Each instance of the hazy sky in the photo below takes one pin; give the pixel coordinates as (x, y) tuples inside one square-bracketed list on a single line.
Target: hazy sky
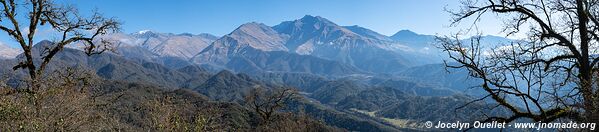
[(220, 17)]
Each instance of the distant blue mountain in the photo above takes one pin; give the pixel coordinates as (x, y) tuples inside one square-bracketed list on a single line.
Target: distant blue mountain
[(490, 41), (413, 39), (367, 32)]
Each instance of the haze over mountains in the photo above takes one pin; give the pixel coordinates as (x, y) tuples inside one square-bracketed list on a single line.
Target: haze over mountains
[(342, 71), (7, 52)]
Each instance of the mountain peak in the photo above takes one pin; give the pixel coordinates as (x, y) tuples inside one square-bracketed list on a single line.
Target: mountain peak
[(354, 26), (224, 73), (309, 25), (412, 39), (259, 36), (308, 19), (251, 26), (144, 31), (405, 33), (223, 77), (43, 44), (209, 36), (226, 86), (146, 34), (248, 36), (367, 32), (186, 34)]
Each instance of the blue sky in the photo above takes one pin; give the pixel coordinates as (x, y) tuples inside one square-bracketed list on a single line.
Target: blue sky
[(220, 17)]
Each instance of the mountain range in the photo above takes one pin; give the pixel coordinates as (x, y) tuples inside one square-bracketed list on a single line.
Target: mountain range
[(165, 44), (315, 44), (350, 76)]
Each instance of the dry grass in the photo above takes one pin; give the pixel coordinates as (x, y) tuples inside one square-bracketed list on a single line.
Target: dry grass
[(63, 105), (169, 115)]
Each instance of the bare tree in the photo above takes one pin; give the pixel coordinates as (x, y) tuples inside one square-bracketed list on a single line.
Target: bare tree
[(68, 106), (66, 20), (548, 76), (267, 103)]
